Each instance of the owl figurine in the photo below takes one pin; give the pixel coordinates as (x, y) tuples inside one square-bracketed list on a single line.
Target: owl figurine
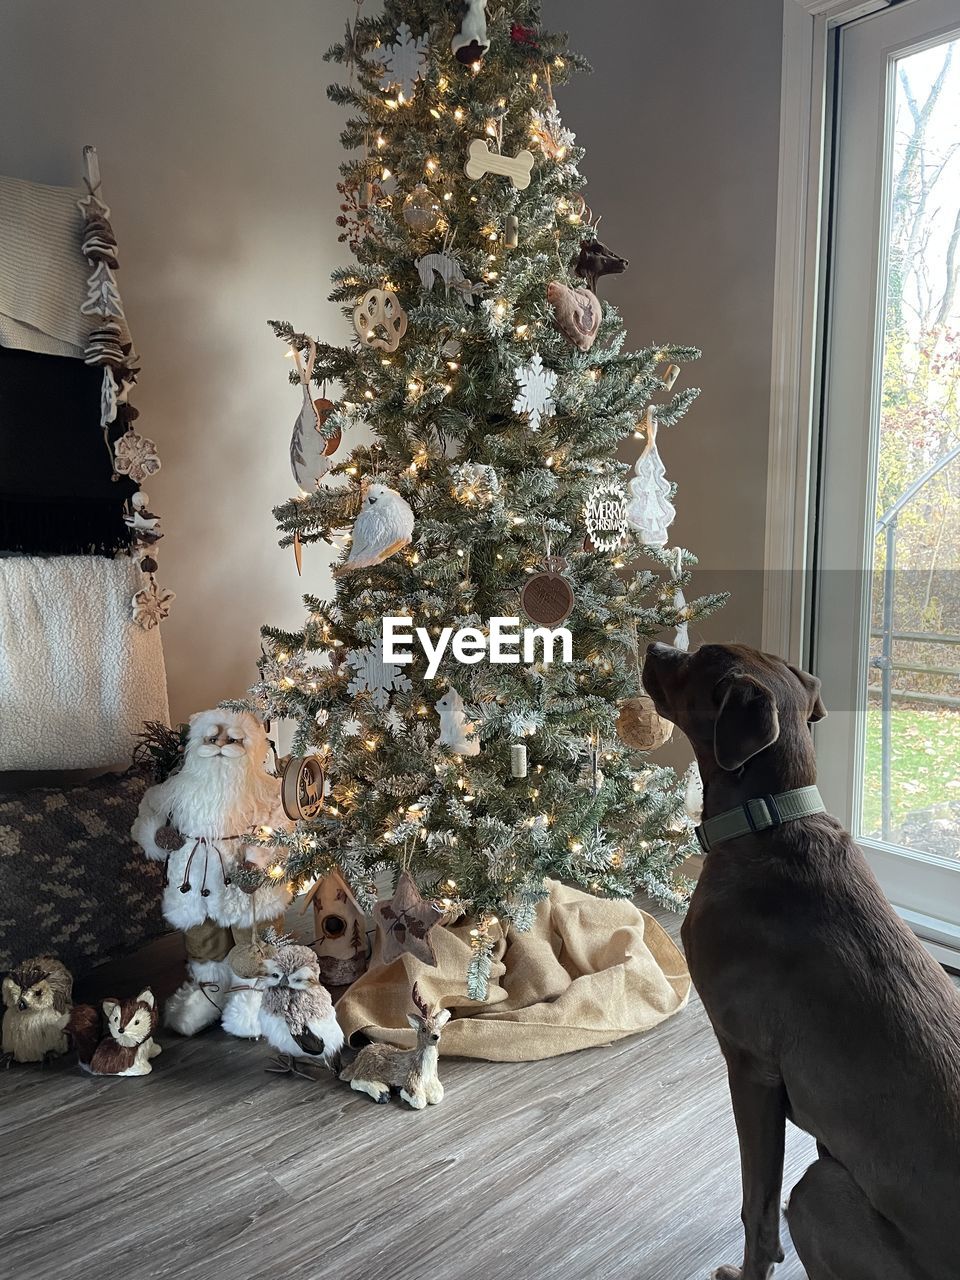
[(296, 1013), (456, 731), (383, 527), (37, 999)]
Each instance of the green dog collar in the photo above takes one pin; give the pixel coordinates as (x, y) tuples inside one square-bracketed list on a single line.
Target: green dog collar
[(759, 814)]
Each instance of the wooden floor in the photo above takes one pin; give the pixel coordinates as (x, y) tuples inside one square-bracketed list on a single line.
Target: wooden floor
[(612, 1164)]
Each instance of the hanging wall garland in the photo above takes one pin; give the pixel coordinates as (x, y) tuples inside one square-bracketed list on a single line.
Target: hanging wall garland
[(133, 456)]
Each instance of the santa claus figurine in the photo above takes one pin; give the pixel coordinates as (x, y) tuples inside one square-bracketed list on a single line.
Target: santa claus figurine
[(200, 821)]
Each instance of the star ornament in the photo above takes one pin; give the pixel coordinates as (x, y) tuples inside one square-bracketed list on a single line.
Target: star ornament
[(405, 922)]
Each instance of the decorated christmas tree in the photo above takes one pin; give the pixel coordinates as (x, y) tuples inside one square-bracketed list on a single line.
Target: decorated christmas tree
[(494, 388)]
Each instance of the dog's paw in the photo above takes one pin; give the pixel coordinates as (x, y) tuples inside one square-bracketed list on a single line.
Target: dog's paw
[(727, 1273)]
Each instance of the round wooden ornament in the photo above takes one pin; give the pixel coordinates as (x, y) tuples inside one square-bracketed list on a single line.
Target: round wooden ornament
[(640, 726), (547, 598), (302, 790)]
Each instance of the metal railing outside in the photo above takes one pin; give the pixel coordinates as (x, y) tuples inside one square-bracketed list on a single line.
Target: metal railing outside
[(885, 661)]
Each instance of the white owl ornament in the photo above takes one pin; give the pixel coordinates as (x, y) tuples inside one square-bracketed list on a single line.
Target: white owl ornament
[(383, 527)]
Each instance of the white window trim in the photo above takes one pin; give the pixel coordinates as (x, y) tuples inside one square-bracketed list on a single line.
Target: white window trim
[(804, 102)]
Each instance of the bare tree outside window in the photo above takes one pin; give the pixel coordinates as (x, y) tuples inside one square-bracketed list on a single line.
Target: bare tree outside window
[(911, 794)]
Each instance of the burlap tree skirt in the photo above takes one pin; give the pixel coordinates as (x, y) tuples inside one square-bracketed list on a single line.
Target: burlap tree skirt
[(589, 971)]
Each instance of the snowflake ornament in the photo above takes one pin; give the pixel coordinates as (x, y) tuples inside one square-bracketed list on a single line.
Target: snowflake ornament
[(152, 605), (374, 676), (352, 728), (404, 61), (535, 397), (135, 456)]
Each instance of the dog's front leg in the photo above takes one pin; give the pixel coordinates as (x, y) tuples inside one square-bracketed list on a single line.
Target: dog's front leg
[(759, 1108)]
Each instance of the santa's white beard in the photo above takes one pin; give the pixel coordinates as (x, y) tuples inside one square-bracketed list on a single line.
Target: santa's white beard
[(220, 795)]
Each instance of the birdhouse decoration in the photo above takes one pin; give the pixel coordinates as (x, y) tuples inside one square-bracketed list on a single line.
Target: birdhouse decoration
[(340, 930)]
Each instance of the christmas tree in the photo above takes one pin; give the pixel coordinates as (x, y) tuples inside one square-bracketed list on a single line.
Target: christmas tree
[(496, 389)]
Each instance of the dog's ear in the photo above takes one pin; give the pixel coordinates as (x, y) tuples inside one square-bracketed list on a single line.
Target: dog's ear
[(747, 722), (817, 710)]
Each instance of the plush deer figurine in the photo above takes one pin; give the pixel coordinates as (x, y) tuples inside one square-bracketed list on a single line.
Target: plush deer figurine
[(378, 1068)]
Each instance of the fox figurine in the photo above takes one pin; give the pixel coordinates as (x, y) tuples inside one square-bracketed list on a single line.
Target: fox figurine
[(117, 1039)]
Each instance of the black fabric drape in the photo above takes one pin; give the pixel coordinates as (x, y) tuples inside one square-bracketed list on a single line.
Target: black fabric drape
[(57, 492)]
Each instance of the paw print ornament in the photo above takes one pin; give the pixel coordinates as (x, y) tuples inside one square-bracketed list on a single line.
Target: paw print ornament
[(379, 320)]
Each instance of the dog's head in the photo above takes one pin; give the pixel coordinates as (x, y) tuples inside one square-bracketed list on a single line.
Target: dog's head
[(734, 703)]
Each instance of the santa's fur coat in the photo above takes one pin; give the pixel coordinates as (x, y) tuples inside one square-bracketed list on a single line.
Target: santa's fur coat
[(221, 790)]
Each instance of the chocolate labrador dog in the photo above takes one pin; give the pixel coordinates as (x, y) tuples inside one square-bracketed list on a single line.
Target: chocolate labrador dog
[(828, 1011)]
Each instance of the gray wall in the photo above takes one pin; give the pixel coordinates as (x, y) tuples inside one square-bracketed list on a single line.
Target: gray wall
[(219, 153)]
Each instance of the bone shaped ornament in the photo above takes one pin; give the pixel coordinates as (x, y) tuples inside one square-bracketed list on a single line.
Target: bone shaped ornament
[(379, 320), (578, 313), (481, 160)]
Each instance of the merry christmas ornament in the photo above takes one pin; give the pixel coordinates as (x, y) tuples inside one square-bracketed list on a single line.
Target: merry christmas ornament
[(471, 43), (456, 731), (383, 527), (405, 923), (640, 726), (379, 319), (421, 209), (606, 516), (578, 313), (548, 599)]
